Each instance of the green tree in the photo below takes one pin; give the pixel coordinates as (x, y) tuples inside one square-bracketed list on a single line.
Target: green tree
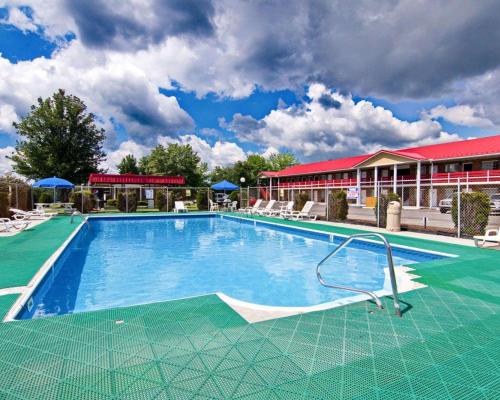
[(279, 161), (58, 138), (128, 165), (175, 159)]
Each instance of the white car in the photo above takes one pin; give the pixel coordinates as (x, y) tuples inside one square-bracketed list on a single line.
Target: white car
[(495, 203)]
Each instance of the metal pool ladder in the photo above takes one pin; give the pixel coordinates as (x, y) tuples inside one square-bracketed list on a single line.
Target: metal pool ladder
[(390, 265)]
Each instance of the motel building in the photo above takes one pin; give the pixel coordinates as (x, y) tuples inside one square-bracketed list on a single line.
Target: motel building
[(421, 176)]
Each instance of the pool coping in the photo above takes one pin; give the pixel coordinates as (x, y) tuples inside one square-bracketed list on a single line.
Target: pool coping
[(404, 280)]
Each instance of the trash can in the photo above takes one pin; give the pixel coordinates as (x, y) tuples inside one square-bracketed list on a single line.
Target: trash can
[(394, 216)]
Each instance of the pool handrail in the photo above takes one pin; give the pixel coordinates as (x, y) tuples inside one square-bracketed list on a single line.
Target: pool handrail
[(390, 265)]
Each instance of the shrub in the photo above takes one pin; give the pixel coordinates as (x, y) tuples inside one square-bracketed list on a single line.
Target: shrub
[(338, 208), (301, 199), (384, 200), (474, 212), (16, 194), (132, 201), (161, 200), (112, 203), (202, 199), (45, 197), (4, 205), (88, 200)]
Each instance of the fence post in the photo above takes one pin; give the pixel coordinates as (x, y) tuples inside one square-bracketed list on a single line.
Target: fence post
[(168, 198), (377, 195), (17, 198), (459, 209), (326, 201), (126, 200), (81, 193)]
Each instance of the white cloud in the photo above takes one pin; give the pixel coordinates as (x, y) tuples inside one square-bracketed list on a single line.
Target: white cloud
[(110, 86), (220, 154), (7, 116), (462, 115), (113, 158), (331, 124), (5, 163), (269, 152), (19, 19)]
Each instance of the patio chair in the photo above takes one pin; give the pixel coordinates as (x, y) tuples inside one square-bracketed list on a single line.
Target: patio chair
[(490, 236), (269, 206), (248, 210), (233, 205), (8, 225), (21, 215), (180, 207), (213, 206), (304, 213)]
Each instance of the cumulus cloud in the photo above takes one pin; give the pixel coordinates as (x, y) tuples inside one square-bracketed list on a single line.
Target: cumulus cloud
[(386, 48), (113, 158), (19, 19), (109, 86), (348, 127), (136, 25), (461, 115), (5, 163), (220, 154)]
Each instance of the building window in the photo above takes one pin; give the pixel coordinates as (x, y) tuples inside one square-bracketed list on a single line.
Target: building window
[(467, 167), (455, 167), (364, 174), (491, 164)]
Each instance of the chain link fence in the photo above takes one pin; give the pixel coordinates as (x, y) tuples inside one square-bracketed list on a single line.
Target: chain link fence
[(457, 209)]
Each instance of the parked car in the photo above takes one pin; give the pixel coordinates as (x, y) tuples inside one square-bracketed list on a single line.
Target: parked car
[(495, 203), (445, 204)]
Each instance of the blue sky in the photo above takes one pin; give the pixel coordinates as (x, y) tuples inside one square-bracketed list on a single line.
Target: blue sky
[(231, 79)]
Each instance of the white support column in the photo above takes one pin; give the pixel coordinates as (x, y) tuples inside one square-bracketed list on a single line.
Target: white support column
[(375, 180), (270, 188), (419, 175), (395, 179), (358, 185)]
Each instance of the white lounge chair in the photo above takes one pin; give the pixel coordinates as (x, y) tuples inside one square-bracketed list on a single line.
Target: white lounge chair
[(213, 206), (279, 210), (269, 206), (490, 236), (255, 207), (8, 225), (180, 207), (21, 215), (282, 210), (304, 213)]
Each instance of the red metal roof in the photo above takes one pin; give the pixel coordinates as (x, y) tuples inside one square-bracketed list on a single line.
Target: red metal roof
[(442, 151), (132, 179)]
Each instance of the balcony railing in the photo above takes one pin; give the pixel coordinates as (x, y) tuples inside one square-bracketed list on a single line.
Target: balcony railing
[(469, 177)]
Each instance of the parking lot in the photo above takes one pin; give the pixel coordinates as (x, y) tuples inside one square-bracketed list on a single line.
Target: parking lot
[(415, 218)]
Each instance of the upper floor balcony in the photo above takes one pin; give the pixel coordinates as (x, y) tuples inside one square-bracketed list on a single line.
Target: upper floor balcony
[(466, 177)]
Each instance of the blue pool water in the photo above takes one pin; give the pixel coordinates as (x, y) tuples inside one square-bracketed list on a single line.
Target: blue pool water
[(124, 261)]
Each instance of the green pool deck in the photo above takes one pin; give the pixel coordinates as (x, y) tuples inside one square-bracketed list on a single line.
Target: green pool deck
[(446, 346)]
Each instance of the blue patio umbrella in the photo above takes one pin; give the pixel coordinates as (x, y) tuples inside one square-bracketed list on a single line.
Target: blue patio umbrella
[(224, 185), (55, 183)]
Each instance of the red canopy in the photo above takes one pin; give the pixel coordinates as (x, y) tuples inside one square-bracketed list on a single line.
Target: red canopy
[(132, 179)]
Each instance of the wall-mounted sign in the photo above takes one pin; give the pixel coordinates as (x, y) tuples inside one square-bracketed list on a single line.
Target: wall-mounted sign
[(352, 193), (149, 193)]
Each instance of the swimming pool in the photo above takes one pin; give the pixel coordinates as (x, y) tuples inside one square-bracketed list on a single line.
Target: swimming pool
[(122, 261)]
